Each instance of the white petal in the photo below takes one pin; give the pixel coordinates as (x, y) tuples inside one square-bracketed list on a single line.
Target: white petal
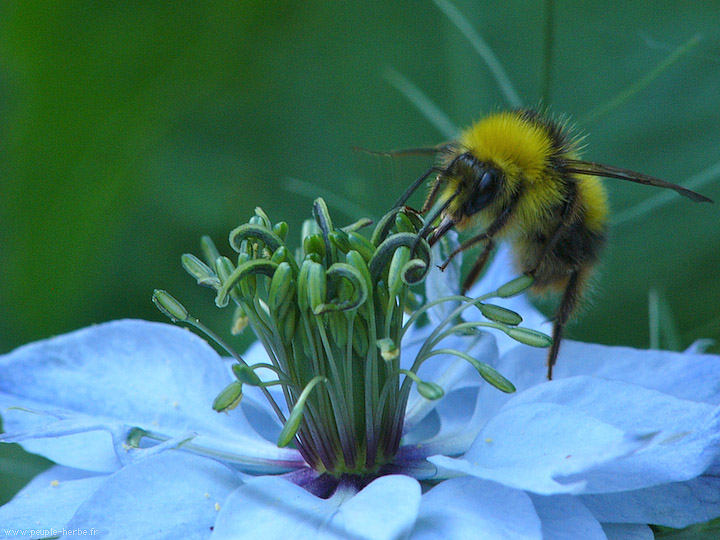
[(565, 518), (687, 433), (532, 446), (450, 372), (125, 373), (676, 505), (167, 496), (272, 508), (455, 425), (694, 377), (472, 508), (49, 500)]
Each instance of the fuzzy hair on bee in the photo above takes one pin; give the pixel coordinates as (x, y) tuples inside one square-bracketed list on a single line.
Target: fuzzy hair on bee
[(518, 176)]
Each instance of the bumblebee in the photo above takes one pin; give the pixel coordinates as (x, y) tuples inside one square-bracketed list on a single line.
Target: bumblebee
[(518, 175)]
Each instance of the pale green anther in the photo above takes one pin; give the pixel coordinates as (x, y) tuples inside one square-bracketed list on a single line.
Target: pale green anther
[(291, 426), (347, 277), (282, 287), (293, 422), (288, 324), (395, 273), (322, 216), (515, 287), (288, 304), (362, 245), (257, 220), (302, 284), (388, 350), (340, 240), (529, 336), (403, 223), (494, 378), (316, 286), (254, 232), (358, 262), (246, 374), (385, 251), (281, 229), (500, 314), (360, 337), (229, 398), (382, 229), (359, 224), (225, 268), (313, 257), (430, 390), (314, 244), (415, 220), (240, 321), (200, 271), (326, 308), (412, 268), (242, 273), (134, 437), (486, 372), (209, 251), (248, 284), (263, 216), (279, 255), (169, 306)]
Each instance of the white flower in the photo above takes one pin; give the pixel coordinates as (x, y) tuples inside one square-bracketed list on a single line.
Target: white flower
[(620, 439)]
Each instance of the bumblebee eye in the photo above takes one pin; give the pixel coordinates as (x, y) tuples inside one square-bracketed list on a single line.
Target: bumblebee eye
[(483, 192), (487, 180)]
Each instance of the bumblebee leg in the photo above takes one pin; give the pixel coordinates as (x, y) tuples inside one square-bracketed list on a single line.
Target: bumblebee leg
[(568, 303), (478, 266), (568, 210), (432, 195), (487, 236)]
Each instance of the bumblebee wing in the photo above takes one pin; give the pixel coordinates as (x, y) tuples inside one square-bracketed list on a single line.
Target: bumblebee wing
[(607, 171), (422, 151)]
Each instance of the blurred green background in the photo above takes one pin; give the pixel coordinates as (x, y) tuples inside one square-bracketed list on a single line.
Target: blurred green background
[(131, 129)]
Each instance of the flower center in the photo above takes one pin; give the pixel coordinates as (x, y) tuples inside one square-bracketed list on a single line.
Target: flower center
[(331, 321)]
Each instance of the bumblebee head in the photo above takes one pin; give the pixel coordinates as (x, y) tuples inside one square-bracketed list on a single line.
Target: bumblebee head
[(470, 186)]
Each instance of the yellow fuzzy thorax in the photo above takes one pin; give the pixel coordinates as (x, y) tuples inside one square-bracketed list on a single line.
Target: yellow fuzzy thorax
[(522, 148), (511, 142)]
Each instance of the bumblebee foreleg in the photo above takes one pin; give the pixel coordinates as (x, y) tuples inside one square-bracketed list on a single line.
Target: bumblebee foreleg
[(488, 237), (478, 266)]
